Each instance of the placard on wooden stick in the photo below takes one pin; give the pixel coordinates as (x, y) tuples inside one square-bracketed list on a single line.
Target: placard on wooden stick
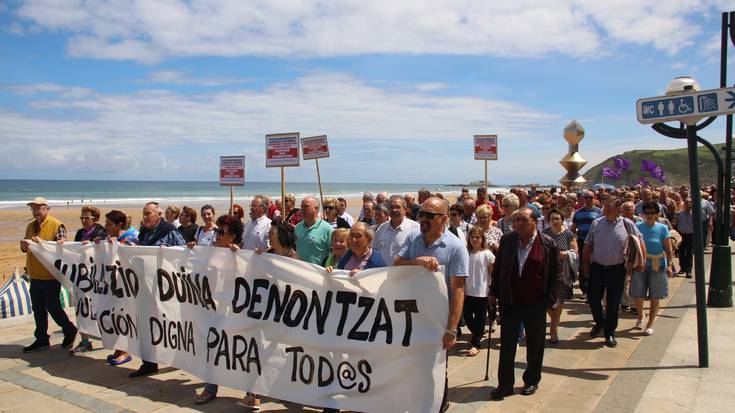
[(316, 147), (486, 149), (282, 150), (232, 174)]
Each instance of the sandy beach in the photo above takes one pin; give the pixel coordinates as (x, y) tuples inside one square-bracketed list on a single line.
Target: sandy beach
[(14, 221)]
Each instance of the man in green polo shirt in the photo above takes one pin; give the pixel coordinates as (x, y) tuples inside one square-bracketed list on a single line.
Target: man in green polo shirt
[(313, 235)]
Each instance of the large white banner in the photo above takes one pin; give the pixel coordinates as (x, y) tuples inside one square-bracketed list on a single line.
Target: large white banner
[(266, 324)]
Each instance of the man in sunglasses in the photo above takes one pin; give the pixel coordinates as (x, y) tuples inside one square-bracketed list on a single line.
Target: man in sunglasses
[(581, 222), (434, 246)]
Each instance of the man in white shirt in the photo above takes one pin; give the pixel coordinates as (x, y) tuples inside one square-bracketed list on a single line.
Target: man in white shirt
[(342, 211), (255, 232), (390, 236)]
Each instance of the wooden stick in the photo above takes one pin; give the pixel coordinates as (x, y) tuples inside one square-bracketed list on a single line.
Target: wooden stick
[(283, 193), (319, 179), (487, 196), (232, 199)]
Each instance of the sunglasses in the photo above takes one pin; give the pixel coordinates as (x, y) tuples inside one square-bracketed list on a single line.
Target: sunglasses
[(328, 207), (429, 215), (220, 232), (85, 218)]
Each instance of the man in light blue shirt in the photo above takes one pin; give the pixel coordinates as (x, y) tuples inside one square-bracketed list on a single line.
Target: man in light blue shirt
[(435, 246)]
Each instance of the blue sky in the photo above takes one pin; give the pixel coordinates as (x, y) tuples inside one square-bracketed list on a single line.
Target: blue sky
[(160, 89)]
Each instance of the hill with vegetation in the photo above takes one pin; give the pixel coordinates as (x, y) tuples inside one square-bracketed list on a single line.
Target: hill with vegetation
[(675, 163)]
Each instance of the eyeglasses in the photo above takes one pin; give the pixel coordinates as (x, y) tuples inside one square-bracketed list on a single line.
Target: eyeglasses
[(219, 232), (328, 207), (38, 208), (588, 197), (429, 215), (650, 212)]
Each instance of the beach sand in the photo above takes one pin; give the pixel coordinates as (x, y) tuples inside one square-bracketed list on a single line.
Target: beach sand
[(13, 223)]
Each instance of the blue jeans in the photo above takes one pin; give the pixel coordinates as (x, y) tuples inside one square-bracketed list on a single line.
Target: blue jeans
[(211, 388)]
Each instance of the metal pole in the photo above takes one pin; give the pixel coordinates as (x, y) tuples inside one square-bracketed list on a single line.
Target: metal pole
[(319, 179), (720, 277), (698, 246)]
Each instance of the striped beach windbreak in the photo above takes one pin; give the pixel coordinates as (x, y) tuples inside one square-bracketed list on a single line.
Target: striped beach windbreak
[(15, 297)]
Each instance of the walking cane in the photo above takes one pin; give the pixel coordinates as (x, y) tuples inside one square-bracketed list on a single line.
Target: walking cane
[(487, 360)]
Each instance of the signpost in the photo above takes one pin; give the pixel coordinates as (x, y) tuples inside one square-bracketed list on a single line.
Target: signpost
[(232, 174), (683, 102), (486, 149), (316, 147), (282, 150)]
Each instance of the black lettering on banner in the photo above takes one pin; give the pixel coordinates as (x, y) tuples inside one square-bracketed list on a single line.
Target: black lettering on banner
[(240, 284), (223, 350), (325, 366), (117, 323), (367, 304), (275, 301), (164, 294), (321, 312), (346, 375), (211, 342), (408, 307), (382, 323), (288, 317), (176, 335), (346, 298), (295, 351), (131, 282), (82, 307), (365, 370), (258, 283), (254, 355), (310, 375), (116, 290), (83, 283), (237, 355)]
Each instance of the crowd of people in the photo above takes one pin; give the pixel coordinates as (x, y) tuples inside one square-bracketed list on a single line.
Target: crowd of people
[(510, 258)]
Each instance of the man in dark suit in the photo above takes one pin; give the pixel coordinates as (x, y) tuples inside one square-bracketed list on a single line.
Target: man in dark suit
[(526, 279)]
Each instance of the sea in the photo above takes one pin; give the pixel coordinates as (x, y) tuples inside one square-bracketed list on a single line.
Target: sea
[(17, 192)]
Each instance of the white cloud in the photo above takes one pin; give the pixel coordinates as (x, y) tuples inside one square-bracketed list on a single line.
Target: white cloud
[(175, 77), (150, 127), (148, 31)]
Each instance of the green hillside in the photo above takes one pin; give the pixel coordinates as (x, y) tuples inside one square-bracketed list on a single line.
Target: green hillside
[(675, 163)]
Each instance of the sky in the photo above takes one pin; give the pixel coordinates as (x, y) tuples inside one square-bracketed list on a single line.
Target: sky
[(159, 89)]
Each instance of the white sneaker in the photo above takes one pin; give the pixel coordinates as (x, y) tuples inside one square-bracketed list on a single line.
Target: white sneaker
[(648, 331), (639, 324)]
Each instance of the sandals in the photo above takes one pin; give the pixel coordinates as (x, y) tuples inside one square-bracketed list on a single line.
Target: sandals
[(639, 323), (250, 401), (204, 397), (472, 352), (553, 338)]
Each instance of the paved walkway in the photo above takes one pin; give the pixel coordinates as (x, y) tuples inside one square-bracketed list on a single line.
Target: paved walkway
[(657, 373)]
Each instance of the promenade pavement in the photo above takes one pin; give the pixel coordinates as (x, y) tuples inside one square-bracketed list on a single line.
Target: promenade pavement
[(643, 374)]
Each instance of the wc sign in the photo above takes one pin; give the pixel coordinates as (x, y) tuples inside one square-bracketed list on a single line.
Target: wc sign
[(687, 106)]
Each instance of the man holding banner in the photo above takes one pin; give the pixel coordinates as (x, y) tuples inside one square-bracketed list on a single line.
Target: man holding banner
[(156, 232), (436, 246), (44, 288)]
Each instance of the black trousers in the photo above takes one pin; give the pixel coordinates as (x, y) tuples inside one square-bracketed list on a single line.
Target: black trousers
[(44, 301), (686, 250), (533, 317), (610, 279), (475, 315), (583, 278)]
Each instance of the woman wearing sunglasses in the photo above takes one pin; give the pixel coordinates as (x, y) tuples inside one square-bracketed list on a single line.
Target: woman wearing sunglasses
[(331, 214)]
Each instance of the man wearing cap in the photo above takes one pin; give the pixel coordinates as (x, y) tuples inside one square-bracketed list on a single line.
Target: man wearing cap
[(44, 288)]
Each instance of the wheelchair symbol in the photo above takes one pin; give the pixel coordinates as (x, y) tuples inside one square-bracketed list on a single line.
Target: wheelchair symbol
[(683, 107)]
